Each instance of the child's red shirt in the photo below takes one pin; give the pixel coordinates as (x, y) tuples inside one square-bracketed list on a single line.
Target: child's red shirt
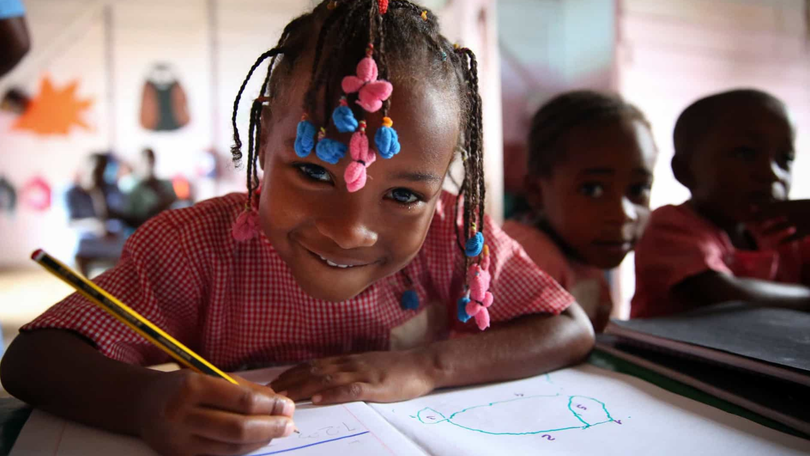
[(237, 304), (678, 243)]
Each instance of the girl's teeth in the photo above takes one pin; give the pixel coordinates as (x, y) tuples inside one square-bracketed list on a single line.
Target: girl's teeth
[(335, 265)]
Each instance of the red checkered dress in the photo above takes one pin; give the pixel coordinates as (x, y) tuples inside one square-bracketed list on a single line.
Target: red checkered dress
[(238, 305)]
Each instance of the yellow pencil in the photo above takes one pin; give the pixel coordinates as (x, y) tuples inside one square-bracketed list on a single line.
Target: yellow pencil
[(128, 316)]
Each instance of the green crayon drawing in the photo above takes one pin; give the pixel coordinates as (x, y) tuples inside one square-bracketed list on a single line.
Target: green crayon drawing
[(555, 413)]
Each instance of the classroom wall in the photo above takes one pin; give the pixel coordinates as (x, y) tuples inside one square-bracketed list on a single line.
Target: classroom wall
[(107, 47), (548, 47)]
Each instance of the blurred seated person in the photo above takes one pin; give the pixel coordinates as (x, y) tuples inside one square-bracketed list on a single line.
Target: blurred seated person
[(150, 195), (96, 210)]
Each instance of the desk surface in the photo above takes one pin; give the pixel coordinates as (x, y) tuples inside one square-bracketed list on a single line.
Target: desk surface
[(14, 413)]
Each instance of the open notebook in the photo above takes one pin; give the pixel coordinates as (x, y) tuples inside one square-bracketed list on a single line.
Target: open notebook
[(580, 410)]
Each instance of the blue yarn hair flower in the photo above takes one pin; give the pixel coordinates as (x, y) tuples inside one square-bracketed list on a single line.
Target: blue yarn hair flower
[(386, 139), (462, 309), (410, 300), (330, 151), (304, 138), (474, 245), (344, 120)]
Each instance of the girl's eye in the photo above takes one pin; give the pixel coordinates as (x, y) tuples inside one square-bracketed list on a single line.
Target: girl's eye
[(314, 172), (403, 196), (592, 189), (744, 153), (640, 191)]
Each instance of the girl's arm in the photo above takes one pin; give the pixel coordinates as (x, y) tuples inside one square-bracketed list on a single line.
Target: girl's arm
[(178, 413), (528, 346), (524, 347), (713, 287)]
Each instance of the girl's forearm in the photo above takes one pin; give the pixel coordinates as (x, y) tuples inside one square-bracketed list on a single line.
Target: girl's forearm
[(61, 373), (712, 287), (528, 346)]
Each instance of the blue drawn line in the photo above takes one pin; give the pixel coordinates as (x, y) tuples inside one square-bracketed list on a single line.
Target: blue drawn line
[(579, 417), (586, 425), (312, 444), (499, 402)]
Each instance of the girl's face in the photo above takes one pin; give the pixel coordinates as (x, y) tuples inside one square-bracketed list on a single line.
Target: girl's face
[(338, 243), (597, 198)]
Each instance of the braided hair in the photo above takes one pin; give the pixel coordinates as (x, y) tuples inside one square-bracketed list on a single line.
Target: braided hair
[(407, 33), (565, 112)]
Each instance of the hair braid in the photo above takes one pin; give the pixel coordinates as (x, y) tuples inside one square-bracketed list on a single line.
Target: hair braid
[(257, 114), (236, 151), (565, 112), (473, 187), (289, 29)]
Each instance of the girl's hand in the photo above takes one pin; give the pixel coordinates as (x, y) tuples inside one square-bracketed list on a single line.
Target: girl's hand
[(781, 222), (374, 377), (185, 413)]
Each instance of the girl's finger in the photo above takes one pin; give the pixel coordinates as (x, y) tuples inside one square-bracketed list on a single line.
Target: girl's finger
[(776, 228), (226, 427), (350, 392), (246, 399), (318, 383), (764, 225), (796, 236), (303, 372)]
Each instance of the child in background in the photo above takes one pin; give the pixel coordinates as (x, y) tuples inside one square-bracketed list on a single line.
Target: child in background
[(737, 238), (591, 158), (333, 261), (150, 195)]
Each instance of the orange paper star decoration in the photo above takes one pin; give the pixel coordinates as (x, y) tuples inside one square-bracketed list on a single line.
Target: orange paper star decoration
[(54, 111)]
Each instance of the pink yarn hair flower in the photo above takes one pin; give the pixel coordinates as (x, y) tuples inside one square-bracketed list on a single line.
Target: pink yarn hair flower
[(479, 279), (371, 92), (355, 174), (246, 225)]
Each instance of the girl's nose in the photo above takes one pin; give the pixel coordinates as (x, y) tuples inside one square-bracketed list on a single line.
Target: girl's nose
[(346, 226), (623, 210), (629, 211), (770, 171)]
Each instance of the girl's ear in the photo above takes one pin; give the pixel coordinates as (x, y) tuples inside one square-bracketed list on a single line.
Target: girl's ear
[(533, 191), (681, 171)]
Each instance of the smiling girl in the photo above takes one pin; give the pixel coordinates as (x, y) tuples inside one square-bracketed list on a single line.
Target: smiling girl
[(348, 249)]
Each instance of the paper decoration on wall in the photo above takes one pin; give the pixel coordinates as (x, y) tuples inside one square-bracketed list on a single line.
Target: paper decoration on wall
[(15, 101), (54, 111), (8, 197), (207, 164), (36, 194), (182, 187), (163, 102)]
